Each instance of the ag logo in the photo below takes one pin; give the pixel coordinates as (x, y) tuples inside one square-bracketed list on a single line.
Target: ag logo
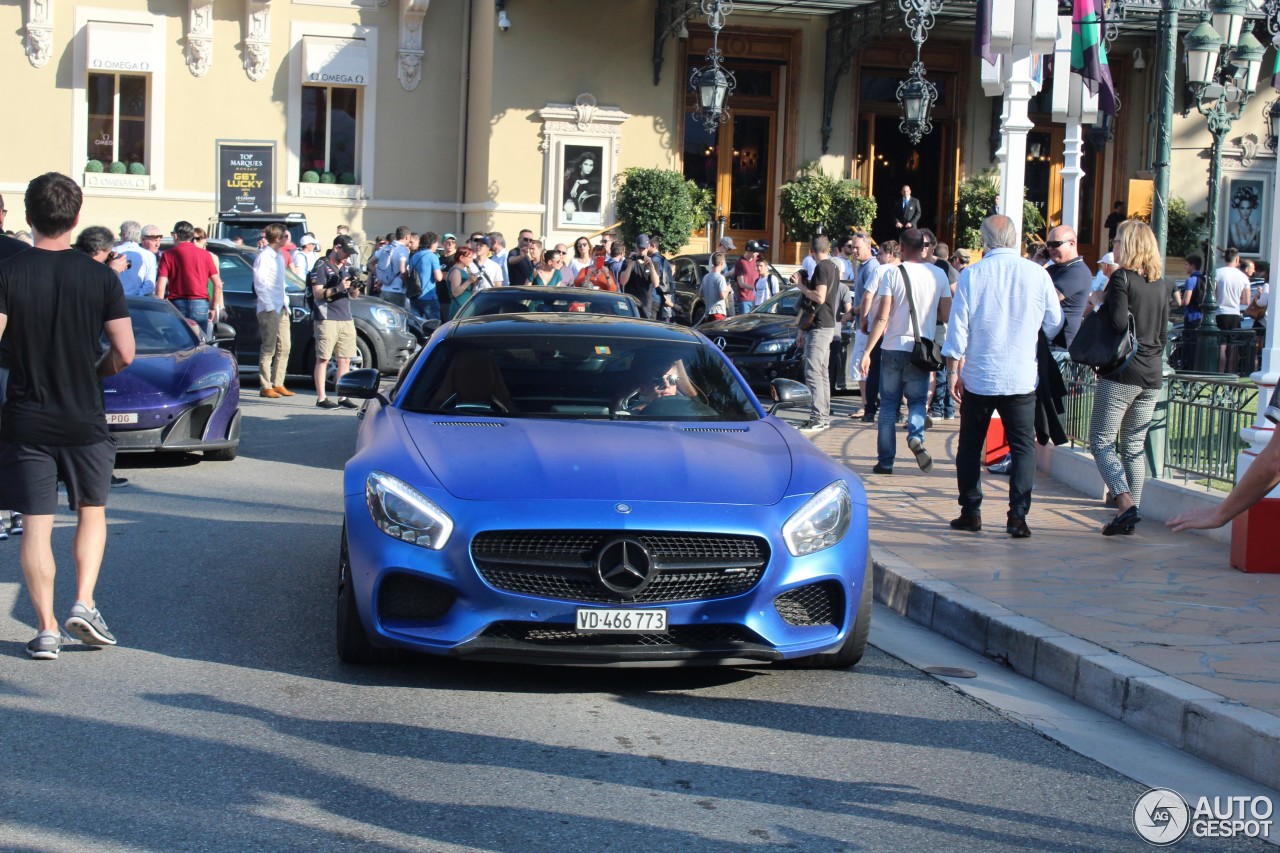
[(1161, 817)]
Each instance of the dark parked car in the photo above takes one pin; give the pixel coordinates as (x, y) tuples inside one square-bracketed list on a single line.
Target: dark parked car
[(687, 271), (385, 334), (179, 394), (247, 226), (541, 300), (762, 344)]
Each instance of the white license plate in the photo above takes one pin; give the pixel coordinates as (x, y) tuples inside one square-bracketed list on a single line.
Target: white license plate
[(122, 417), (597, 621)]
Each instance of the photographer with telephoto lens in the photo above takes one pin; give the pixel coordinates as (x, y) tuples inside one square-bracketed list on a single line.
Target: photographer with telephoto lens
[(333, 285)]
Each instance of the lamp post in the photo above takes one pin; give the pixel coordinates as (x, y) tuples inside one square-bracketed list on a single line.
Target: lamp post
[(1222, 71), (713, 83)]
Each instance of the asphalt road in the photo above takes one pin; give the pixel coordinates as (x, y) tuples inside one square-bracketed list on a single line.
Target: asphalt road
[(224, 722)]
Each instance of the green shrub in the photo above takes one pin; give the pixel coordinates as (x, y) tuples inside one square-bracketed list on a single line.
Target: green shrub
[(1032, 220), (347, 178), (118, 168), (328, 178), (1187, 232), (655, 202), (311, 176), (978, 198), (137, 169), (704, 205), (815, 201), (93, 166)]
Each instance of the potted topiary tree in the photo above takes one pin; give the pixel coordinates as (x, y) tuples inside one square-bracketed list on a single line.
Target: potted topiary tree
[(804, 205), (94, 166), (328, 178), (655, 202), (118, 168), (311, 176), (137, 169), (979, 195)]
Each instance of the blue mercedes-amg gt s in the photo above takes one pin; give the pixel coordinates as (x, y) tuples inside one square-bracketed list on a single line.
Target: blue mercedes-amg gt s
[(587, 489)]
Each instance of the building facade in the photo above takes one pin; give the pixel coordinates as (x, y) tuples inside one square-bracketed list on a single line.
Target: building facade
[(376, 113)]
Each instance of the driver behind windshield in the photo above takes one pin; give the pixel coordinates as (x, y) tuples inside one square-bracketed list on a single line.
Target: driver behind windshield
[(669, 381)]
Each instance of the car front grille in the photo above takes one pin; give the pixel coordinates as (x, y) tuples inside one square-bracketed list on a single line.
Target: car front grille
[(407, 597), (562, 564), (815, 604), (688, 636), (735, 345)]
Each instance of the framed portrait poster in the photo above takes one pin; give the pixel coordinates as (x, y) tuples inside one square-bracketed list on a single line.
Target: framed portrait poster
[(580, 200), (1245, 208)]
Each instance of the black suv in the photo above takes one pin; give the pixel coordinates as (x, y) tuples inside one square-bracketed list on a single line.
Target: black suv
[(386, 336), (247, 226)]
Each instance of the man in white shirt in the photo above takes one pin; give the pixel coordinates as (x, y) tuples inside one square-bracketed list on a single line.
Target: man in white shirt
[(913, 282), (485, 272), (1001, 304), (140, 278), (1232, 290), (305, 258), (273, 313)]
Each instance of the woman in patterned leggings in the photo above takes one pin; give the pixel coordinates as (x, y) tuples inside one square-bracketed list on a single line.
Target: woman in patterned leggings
[(1126, 399)]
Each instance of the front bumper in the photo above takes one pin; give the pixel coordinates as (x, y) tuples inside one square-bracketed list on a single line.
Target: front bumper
[(197, 426), (441, 604)]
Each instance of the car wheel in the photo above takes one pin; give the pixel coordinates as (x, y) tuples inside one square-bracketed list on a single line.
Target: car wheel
[(225, 454), (361, 358), (353, 641), (364, 354), (855, 644), (699, 312)]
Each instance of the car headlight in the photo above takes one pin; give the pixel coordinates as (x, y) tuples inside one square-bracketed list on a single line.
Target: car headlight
[(821, 522), (775, 345), (402, 512), (217, 379), (385, 317)]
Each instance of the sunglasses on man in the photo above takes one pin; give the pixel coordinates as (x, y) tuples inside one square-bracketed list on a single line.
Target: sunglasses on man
[(1054, 244)]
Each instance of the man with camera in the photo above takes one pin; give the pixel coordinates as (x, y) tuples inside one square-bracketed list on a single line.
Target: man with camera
[(333, 285), (639, 277)]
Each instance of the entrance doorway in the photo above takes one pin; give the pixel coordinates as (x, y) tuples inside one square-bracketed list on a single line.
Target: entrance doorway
[(896, 163)]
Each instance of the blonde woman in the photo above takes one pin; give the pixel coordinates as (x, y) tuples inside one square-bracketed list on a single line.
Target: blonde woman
[(1126, 399)]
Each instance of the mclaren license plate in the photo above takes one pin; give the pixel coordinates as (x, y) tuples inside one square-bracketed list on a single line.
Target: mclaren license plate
[(599, 621), (122, 417)]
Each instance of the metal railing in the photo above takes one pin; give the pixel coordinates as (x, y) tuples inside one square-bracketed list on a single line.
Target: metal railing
[(1204, 416)]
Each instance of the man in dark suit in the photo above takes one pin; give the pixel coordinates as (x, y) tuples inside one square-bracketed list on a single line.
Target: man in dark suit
[(908, 215)]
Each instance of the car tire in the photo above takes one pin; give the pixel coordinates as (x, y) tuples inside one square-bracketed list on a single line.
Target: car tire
[(855, 644), (699, 313), (368, 358), (331, 371), (224, 454), (353, 640)]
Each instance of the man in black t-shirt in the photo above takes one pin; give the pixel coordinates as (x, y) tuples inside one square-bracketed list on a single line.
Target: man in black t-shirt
[(8, 248), (519, 264), (823, 290), (639, 277), (55, 307), (1071, 279)]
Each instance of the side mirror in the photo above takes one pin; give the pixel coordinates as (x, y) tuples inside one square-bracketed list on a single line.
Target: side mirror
[(222, 334), (361, 385), (789, 394)]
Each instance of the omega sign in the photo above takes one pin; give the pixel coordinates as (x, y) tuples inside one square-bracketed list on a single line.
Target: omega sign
[(356, 79), (119, 65)]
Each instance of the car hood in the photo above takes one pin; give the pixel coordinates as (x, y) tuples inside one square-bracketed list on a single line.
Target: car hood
[(755, 325), (169, 374), (535, 460)]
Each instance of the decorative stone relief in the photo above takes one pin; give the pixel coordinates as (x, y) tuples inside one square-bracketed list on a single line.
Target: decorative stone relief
[(199, 51), (1248, 149), (39, 32), (257, 38), (583, 116), (412, 14)]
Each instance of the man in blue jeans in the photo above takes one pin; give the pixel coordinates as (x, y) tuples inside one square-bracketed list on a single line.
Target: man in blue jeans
[(895, 321), (1001, 304)]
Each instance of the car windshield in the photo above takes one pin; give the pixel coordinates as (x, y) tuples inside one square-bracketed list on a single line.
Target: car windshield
[(158, 329), (578, 376), (786, 302), (553, 300), (249, 232)]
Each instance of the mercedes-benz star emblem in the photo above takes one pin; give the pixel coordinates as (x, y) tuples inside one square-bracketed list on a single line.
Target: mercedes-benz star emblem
[(625, 567), (720, 342), (622, 508)]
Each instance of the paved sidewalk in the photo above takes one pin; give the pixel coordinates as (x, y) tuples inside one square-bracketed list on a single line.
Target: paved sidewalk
[(1155, 629)]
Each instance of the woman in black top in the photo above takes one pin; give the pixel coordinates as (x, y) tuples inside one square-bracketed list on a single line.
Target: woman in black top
[(1126, 399)]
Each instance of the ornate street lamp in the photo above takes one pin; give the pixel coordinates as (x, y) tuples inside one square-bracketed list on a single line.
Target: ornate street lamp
[(713, 83), (916, 94), (1222, 70), (1273, 124)]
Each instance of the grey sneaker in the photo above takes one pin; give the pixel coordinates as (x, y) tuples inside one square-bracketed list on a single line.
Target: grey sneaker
[(89, 626), (812, 426), (45, 647)]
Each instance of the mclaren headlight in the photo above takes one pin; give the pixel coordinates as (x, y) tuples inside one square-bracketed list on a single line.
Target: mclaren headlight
[(218, 379), (821, 522), (402, 512)]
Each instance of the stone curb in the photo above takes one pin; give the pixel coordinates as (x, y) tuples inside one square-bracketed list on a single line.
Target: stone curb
[(1240, 739)]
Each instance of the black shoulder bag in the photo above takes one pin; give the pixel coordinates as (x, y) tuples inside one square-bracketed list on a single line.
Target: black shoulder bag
[(926, 354)]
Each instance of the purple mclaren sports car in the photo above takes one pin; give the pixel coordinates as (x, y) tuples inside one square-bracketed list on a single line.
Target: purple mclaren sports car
[(180, 394)]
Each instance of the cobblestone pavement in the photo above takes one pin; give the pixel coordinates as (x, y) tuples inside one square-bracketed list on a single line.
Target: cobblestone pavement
[(1164, 601)]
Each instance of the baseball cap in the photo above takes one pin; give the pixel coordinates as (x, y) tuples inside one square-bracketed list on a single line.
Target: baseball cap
[(448, 237), (1108, 258), (483, 238), (308, 239), (753, 246), (152, 231), (727, 243), (342, 241), (963, 254), (642, 241)]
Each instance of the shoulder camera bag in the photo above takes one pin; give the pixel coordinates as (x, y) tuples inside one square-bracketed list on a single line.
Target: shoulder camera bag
[(926, 353)]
